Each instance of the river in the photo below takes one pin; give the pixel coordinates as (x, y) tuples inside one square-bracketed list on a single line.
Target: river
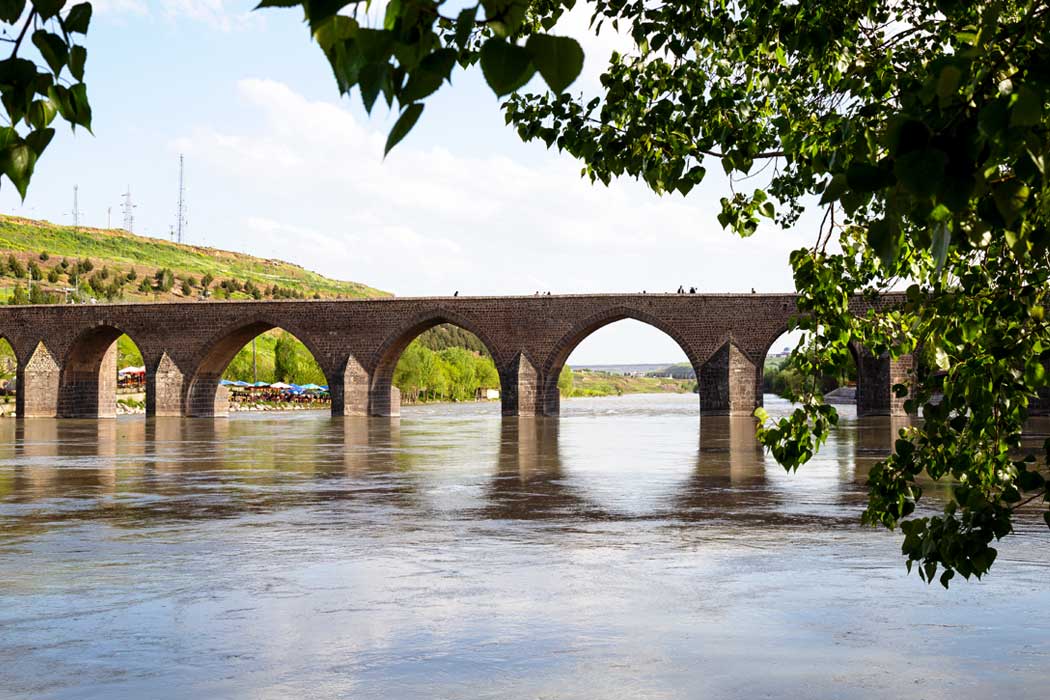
[(625, 550)]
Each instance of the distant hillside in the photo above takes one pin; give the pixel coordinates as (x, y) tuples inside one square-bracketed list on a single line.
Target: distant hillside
[(43, 262)]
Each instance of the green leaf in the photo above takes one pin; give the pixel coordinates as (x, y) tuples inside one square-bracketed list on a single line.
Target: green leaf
[(81, 108), (942, 238), (427, 78), (78, 19), (465, 23), (320, 11), (52, 48), (403, 125), (921, 171), (835, 188), (335, 31), (16, 161), (393, 12), (11, 10), (884, 238), (506, 66), (558, 58), (48, 8), (1027, 109), (41, 113), (370, 81), (948, 80), (77, 58), (1010, 198), (864, 177)]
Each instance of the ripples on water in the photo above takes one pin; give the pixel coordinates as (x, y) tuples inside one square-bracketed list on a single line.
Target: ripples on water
[(625, 550)]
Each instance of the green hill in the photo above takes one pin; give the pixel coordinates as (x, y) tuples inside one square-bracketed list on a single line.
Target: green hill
[(48, 262)]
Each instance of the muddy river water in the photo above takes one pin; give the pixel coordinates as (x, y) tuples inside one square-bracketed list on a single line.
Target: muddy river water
[(624, 550)]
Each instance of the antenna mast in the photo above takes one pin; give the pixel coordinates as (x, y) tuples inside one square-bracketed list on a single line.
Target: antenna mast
[(180, 216), (128, 208), (76, 209)]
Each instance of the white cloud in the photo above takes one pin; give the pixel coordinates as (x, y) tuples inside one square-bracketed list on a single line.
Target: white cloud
[(306, 181), (224, 15)]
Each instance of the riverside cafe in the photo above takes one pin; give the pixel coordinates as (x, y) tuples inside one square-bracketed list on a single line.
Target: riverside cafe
[(277, 392)]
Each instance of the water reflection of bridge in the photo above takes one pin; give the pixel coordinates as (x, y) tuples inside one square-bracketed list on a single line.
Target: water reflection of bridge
[(125, 472)]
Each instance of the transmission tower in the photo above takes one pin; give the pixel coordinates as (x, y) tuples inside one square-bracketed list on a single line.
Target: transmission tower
[(76, 209), (180, 214), (129, 211)]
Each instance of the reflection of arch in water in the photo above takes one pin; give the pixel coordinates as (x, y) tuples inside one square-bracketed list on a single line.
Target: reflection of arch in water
[(529, 483), (551, 398)]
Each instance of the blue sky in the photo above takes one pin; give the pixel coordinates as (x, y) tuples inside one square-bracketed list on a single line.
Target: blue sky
[(278, 165)]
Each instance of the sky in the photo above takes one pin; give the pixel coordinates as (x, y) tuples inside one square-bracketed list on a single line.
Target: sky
[(278, 165)]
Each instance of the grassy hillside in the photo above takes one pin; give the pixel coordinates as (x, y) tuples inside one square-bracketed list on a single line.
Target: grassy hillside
[(113, 265)]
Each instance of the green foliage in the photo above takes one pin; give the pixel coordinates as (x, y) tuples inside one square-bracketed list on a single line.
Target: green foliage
[(8, 361), (34, 92), (164, 279), (128, 354), (19, 295), (449, 374), (15, 267), (279, 356), (565, 381), (447, 335)]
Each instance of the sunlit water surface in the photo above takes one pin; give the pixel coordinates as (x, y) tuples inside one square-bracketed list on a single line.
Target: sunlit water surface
[(625, 550)]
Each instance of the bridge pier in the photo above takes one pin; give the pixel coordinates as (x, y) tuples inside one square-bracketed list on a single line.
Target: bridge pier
[(876, 376), (730, 383), (36, 393), (164, 388), (521, 390)]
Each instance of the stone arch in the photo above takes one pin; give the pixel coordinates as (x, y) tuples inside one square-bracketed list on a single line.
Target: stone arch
[(87, 381), (204, 396), (384, 398), (549, 401)]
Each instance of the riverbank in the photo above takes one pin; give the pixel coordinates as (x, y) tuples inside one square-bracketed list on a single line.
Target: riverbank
[(596, 383)]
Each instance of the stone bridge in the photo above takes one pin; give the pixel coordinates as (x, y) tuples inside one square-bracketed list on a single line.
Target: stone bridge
[(67, 354)]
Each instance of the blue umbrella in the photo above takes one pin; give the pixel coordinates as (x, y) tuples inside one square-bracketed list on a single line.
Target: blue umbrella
[(225, 382), (260, 384)]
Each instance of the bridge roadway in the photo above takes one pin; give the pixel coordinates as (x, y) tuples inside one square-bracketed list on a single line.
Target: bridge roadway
[(67, 353)]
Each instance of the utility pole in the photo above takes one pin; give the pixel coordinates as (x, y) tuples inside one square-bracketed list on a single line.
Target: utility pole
[(180, 213), (109, 215), (255, 366), (128, 209)]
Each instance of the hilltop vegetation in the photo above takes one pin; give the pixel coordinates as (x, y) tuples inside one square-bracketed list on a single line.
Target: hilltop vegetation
[(48, 263)]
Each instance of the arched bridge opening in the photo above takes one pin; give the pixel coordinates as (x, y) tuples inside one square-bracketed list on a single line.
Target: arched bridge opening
[(560, 381), (256, 363), (91, 375), (434, 359)]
